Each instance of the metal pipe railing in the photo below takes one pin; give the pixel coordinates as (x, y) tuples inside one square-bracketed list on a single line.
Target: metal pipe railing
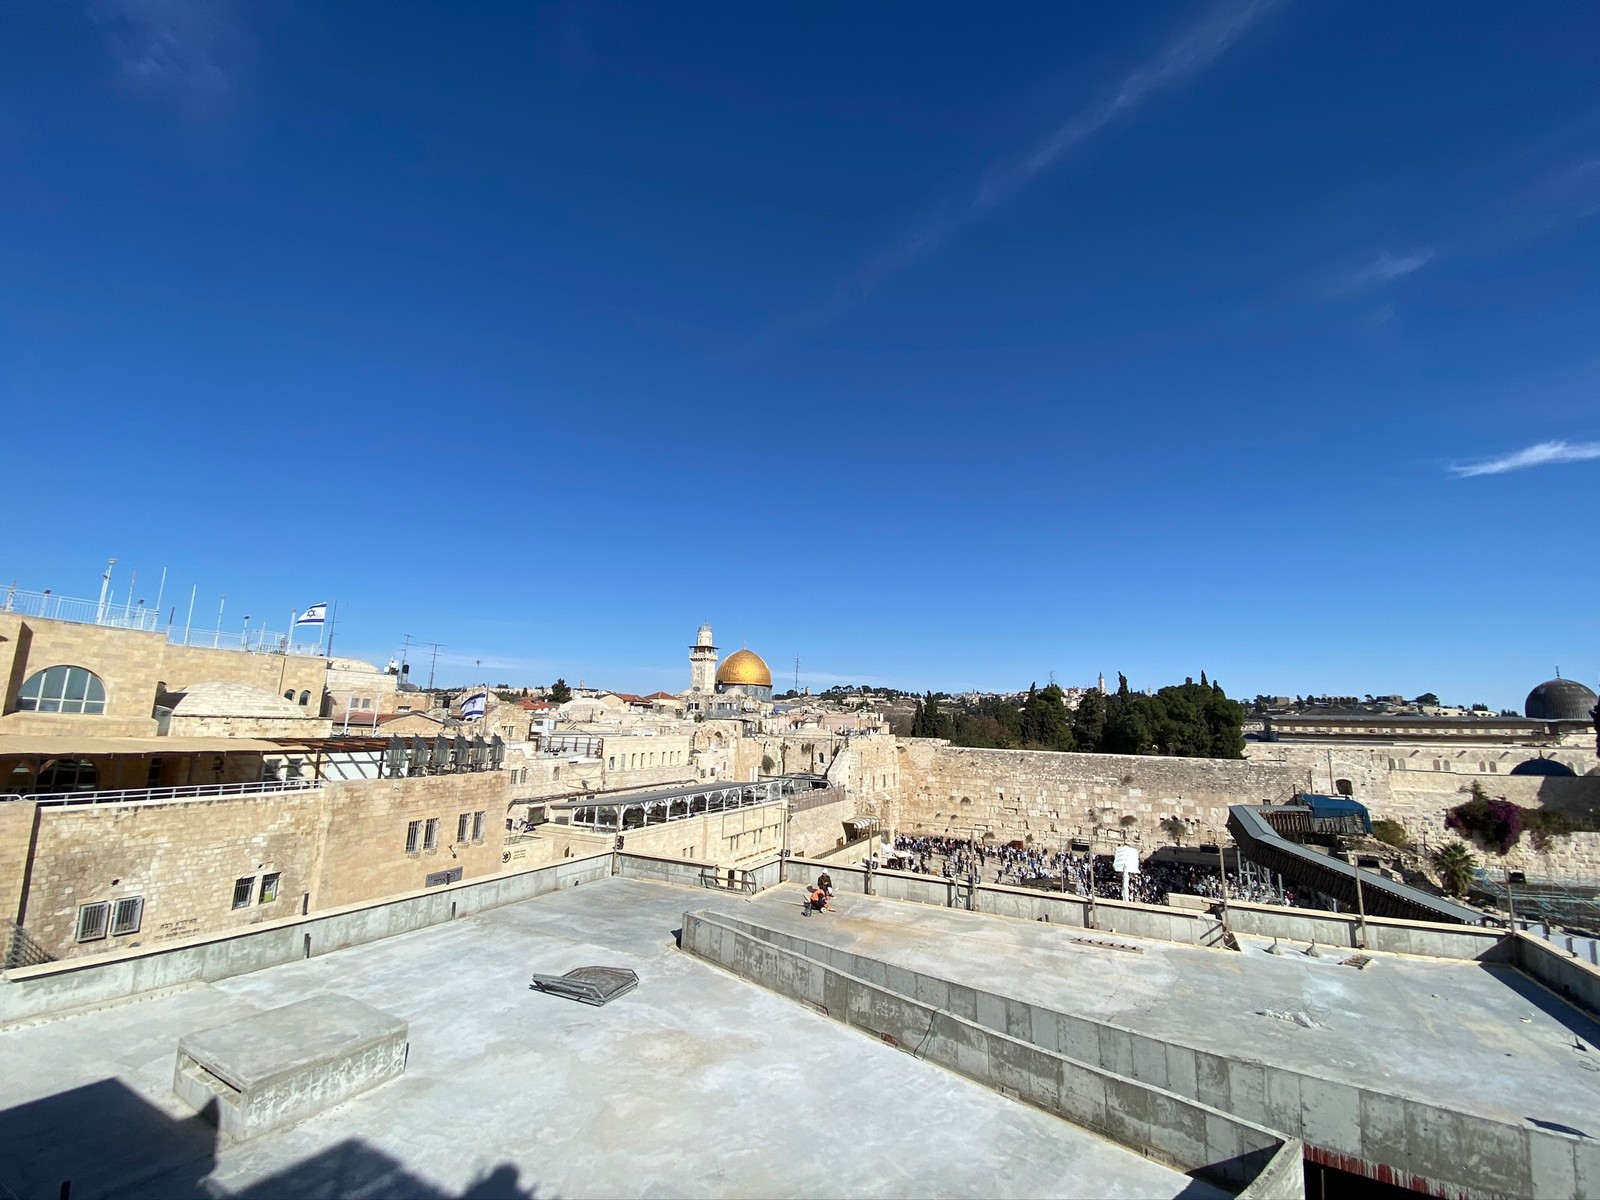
[(158, 795)]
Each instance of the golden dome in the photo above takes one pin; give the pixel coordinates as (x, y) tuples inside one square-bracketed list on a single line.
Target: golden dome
[(744, 668)]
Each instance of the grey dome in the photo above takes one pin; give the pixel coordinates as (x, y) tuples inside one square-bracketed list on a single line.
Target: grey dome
[(1559, 700)]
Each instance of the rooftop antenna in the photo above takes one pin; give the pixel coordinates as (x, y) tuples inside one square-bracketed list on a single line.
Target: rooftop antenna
[(796, 674), (105, 586)]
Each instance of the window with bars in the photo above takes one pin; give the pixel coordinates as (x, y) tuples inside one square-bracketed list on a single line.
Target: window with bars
[(127, 915), (413, 835), (269, 887), (244, 891), (463, 823), (92, 921), (477, 825), (430, 834)]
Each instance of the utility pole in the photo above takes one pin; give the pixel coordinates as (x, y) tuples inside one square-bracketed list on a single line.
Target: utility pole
[(105, 586), (433, 661)]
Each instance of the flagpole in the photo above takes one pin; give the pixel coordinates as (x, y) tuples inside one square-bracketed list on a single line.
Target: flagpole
[(333, 617), (288, 642)]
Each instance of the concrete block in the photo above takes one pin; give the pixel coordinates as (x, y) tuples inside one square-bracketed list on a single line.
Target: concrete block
[(1330, 1115), (991, 1011), (962, 1001), (1383, 1129), (1082, 1097), (1116, 1050), (1553, 1165), (1486, 1155), (900, 981), (275, 1068), (1247, 1091), (1283, 1101), (1042, 1021), (1077, 1038), (1182, 1072), (1211, 1080), (1128, 1112), (1178, 1130), (932, 992), (1149, 1061), (1224, 1138), (1019, 1020), (1586, 1167)]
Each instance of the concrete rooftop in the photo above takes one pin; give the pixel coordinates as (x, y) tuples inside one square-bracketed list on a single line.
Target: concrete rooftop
[(1483, 1039), (694, 1084)]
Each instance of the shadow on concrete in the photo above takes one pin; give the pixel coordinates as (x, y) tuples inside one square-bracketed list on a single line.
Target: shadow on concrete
[(1573, 1018), (106, 1140)]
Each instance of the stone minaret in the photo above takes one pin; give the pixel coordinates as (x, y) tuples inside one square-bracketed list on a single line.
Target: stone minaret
[(703, 662)]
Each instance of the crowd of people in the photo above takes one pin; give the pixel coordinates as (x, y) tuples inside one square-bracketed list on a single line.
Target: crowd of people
[(1083, 874)]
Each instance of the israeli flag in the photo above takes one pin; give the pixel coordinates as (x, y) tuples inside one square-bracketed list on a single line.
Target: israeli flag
[(315, 615), (473, 706)]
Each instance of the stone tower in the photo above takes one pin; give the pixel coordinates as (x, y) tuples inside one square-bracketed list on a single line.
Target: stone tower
[(703, 662)]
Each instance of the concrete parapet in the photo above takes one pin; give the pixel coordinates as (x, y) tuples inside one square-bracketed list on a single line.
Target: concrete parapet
[(101, 979), (1428, 939), (272, 1069), (1559, 970), (956, 1027), (1359, 1128)]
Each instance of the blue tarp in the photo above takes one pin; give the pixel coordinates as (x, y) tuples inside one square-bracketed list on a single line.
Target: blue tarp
[(1334, 808)]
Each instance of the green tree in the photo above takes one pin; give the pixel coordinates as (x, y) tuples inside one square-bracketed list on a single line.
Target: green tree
[(1089, 722), (1045, 723), (1174, 828), (1426, 698), (1456, 865), (560, 693), (1391, 833)]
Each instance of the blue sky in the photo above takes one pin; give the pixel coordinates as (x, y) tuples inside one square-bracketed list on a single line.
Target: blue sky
[(938, 346)]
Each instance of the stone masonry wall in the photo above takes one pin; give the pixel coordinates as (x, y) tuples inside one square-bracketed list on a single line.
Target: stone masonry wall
[(963, 792)]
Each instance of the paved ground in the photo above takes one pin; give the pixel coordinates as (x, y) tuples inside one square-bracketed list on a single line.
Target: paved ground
[(694, 1084), (1483, 1039)]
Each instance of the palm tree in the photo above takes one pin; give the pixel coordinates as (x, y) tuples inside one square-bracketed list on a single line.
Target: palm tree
[(1456, 865)]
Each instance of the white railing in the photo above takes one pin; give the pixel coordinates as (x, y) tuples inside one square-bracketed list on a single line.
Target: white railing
[(49, 606), (84, 612), (163, 795), (255, 641)]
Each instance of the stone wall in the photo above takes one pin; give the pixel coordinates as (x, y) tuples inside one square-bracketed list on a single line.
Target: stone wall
[(1050, 797), (815, 828), (127, 661), (344, 843)]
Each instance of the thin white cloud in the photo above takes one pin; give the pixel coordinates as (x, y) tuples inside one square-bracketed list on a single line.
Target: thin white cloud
[(1539, 455), (175, 47), (1383, 269), (1192, 51)]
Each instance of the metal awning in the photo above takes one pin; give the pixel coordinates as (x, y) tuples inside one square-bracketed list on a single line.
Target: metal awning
[(62, 745)]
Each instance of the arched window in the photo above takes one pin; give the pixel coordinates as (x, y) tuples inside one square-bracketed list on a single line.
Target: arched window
[(289, 695), (305, 698), (63, 690)]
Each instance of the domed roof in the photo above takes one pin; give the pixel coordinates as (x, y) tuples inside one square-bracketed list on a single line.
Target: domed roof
[(222, 699), (742, 667), (1559, 700)]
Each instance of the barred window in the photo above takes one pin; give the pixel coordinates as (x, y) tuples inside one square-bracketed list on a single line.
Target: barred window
[(413, 834), (430, 834), (63, 690), (269, 887), (243, 890), (127, 916), (477, 825), (463, 823), (92, 919)]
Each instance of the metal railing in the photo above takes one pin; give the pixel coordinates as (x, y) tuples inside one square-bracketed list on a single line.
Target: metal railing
[(49, 606), (162, 795), (20, 949), (52, 607)]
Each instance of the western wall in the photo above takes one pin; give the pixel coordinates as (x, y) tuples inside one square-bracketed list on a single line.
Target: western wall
[(1049, 797)]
